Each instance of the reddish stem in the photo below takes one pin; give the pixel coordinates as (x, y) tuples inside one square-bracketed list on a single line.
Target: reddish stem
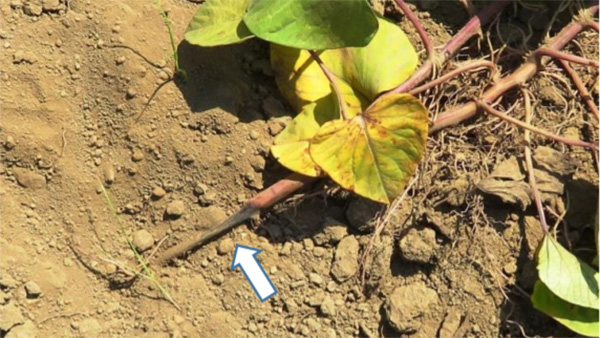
[(264, 199), (457, 41), (422, 33), (279, 190), (518, 77), (583, 92), (544, 51), (485, 106), (471, 65), (532, 182), (332, 82)]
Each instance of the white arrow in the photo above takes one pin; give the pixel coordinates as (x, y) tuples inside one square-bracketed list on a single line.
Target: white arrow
[(245, 258)]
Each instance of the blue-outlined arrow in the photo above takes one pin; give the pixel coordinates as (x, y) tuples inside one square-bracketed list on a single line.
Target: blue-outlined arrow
[(245, 258)]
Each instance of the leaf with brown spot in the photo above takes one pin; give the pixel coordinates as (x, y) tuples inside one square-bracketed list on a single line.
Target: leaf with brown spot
[(374, 154)]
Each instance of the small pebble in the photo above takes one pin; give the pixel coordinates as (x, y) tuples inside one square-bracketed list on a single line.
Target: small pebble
[(131, 93), (109, 174), (137, 155), (286, 249), (316, 279), (143, 240), (218, 279), (119, 61), (33, 289), (327, 307), (9, 143), (308, 244), (254, 134), (225, 246), (158, 192), (228, 160), (175, 208)]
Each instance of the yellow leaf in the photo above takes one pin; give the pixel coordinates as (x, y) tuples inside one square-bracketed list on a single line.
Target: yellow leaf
[(375, 153), (362, 73), (290, 147)]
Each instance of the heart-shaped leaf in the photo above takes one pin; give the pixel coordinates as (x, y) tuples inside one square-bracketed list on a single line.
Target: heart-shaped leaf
[(218, 22), (567, 276), (362, 73), (375, 153), (312, 24), (579, 319), (290, 147)]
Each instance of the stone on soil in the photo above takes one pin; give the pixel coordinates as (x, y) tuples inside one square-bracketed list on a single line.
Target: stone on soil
[(29, 179), (175, 208), (328, 307), (345, 263), (33, 289), (405, 306), (418, 245), (27, 330), (143, 240), (10, 315), (225, 246)]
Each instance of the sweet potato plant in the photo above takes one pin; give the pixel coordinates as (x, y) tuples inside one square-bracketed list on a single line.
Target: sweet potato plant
[(351, 76), (367, 142)]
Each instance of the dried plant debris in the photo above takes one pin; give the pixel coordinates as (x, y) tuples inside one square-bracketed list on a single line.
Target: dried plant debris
[(553, 161), (508, 179)]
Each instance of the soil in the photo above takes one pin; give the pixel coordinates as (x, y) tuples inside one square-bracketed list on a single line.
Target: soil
[(455, 259)]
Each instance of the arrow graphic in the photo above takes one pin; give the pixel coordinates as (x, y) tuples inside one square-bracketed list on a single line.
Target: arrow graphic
[(245, 258)]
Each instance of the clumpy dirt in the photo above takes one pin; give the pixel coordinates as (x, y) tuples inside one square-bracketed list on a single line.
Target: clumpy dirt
[(455, 259)]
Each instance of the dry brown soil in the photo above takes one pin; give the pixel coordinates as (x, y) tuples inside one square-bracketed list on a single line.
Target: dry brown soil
[(454, 259)]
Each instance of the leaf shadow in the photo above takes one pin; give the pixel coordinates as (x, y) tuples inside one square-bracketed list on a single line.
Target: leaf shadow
[(220, 77)]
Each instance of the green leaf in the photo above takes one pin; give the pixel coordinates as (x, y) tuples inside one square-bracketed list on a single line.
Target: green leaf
[(567, 276), (579, 319), (218, 22), (312, 24), (290, 147), (362, 73), (375, 153)]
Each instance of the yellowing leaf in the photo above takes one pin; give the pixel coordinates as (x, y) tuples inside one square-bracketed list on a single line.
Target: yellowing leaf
[(362, 73), (375, 153), (218, 22), (579, 319), (290, 147), (301, 81), (566, 275)]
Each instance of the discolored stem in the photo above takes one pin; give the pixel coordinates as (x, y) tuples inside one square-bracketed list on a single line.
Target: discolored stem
[(332, 82), (266, 198), (518, 77), (532, 181), (485, 106), (583, 92), (457, 41), (544, 51), (422, 33)]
